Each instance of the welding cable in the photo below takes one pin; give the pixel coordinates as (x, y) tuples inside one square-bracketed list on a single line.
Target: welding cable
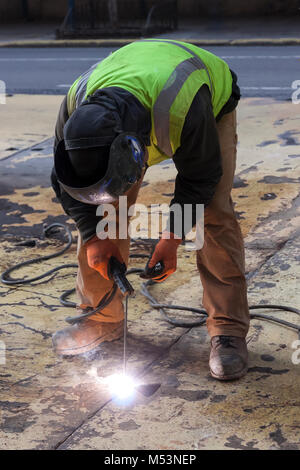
[(5, 277), (161, 307), (8, 280)]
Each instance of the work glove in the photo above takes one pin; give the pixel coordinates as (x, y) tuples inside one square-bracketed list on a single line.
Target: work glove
[(99, 253), (163, 262)]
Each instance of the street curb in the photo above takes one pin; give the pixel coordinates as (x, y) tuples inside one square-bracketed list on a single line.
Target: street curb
[(122, 42)]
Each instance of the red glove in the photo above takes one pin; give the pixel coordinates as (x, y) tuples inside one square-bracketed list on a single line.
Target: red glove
[(165, 252), (99, 253)]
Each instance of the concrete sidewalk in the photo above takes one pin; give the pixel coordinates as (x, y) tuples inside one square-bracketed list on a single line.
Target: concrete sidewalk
[(26, 121), (253, 31), (48, 402)]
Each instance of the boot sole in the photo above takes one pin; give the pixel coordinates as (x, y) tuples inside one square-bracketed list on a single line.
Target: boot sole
[(236, 376), (112, 336)]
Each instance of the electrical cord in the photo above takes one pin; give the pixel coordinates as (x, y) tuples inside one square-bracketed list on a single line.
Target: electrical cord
[(5, 276), (8, 280)]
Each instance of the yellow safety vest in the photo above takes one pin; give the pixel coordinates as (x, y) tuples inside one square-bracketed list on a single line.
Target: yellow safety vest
[(164, 76)]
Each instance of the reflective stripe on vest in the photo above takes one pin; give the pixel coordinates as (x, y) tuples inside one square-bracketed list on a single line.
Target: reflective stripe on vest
[(187, 49), (81, 85), (169, 93)]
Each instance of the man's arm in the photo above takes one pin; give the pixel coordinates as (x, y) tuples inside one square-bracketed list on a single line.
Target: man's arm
[(198, 159)]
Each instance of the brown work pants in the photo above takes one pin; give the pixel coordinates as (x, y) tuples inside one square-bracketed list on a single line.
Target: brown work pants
[(220, 261)]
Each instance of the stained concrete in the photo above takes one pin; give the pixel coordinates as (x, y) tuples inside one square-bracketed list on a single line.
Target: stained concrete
[(49, 402), (26, 120)]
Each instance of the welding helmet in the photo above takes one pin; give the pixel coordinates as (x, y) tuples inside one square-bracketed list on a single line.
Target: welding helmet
[(97, 162)]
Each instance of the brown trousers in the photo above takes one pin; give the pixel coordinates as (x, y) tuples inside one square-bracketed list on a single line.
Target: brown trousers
[(221, 261)]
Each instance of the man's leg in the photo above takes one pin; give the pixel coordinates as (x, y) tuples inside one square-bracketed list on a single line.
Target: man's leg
[(221, 262), (91, 287)]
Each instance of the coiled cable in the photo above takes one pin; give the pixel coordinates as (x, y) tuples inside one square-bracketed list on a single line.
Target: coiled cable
[(8, 280)]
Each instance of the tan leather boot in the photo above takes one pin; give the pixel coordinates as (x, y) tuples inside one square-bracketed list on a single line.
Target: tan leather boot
[(85, 336), (228, 357)]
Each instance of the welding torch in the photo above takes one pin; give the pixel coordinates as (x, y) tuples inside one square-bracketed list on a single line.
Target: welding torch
[(117, 272)]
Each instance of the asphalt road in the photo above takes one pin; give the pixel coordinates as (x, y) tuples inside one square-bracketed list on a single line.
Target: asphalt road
[(262, 70)]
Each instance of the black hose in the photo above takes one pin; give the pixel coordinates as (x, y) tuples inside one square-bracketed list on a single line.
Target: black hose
[(5, 276), (153, 302), (8, 280)]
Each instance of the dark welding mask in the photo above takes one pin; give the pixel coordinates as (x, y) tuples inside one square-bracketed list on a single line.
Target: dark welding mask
[(126, 162)]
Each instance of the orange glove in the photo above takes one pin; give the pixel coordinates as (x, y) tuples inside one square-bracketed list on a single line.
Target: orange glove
[(166, 253), (99, 253)]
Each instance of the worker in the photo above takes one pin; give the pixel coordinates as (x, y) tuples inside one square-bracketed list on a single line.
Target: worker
[(147, 102)]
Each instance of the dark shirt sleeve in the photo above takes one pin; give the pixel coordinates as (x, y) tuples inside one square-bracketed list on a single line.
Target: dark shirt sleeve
[(197, 160)]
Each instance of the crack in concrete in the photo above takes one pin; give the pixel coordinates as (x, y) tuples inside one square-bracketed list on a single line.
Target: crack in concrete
[(140, 374), (27, 379), (43, 333), (30, 147), (275, 252)]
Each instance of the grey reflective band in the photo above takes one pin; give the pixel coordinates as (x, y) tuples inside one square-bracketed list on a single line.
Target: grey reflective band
[(201, 63), (82, 85), (167, 96)]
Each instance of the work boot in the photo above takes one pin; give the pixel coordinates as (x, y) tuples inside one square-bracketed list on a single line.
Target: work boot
[(85, 336), (228, 357)]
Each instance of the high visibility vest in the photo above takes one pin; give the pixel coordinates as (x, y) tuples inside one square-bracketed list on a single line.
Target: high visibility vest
[(164, 76)]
